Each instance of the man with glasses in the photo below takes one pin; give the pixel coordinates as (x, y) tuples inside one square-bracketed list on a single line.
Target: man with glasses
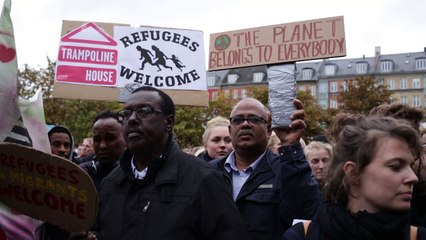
[(270, 190), (158, 191)]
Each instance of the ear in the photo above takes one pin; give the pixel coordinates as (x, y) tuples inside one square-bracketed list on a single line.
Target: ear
[(269, 128), (351, 173), (170, 121)]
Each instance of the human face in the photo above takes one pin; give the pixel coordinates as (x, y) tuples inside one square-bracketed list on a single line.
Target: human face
[(86, 148), (387, 182), (146, 135), (219, 142), (319, 159), (108, 141), (60, 144), (249, 136)]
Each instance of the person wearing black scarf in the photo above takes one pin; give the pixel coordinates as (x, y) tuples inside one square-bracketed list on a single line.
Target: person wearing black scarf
[(369, 185)]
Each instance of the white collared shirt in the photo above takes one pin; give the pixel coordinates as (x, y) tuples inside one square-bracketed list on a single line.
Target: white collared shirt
[(138, 174)]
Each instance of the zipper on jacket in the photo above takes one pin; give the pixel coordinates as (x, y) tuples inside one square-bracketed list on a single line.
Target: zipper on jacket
[(145, 209)]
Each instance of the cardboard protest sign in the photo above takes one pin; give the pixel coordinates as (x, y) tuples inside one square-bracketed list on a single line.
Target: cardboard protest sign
[(47, 187), (289, 42), (103, 61)]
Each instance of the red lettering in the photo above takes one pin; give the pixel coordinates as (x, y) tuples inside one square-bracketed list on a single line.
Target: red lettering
[(51, 201), (51, 171), (34, 194), (61, 173), (74, 176)]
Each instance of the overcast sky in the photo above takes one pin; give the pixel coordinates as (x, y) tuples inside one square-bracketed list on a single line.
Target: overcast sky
[(397, 26)]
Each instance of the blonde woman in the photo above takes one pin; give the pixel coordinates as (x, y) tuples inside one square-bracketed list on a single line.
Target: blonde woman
[(216, 139)]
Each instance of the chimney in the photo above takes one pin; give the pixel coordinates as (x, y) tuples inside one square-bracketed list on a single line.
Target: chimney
[(377, 51)]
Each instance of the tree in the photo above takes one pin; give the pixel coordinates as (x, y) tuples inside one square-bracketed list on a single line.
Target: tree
[(316, 118), (362, 95), (191, 121)]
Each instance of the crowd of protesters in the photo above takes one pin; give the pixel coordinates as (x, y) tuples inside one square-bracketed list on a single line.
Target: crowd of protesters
[(365, 180)]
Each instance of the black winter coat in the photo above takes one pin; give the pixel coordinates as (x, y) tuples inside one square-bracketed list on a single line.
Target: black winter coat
[(181, 197)]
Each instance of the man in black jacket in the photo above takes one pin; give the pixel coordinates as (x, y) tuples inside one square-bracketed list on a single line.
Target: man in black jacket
[(108, 144), (160, 192), (270, 190)]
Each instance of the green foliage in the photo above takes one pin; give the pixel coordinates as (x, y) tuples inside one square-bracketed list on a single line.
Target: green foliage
[(31, 79), (362, 95), (190, 121), (316, 118)]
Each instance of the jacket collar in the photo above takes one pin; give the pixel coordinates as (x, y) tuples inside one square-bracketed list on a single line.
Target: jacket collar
[(160, 170)]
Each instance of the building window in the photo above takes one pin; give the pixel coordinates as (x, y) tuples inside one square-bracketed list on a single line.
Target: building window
[(313, 90), (243, 93), (386, 66), (416, 83), (235, 94), (330, 70), (323, 87), (333, 103), (307, 74), (361, 68), (344, 86), (232, 78), (333, 87), (421, 64), (416, 101), (403, 84), (258, 77), (391, 84), (302, 88), (211, 80), (404, 100)]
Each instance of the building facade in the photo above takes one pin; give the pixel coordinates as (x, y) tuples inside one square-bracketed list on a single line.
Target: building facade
[(404, 74)]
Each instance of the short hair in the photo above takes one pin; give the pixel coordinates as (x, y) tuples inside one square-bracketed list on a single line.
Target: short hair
[(106, 114), (317, 145), (167, 105), (59, 129), (358, 142), (211, 124), (400, 111)]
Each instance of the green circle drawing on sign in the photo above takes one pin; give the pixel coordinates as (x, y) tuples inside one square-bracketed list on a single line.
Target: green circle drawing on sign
[(222, 42)]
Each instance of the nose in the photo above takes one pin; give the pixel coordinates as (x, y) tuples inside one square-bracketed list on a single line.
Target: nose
[(133, 116), (411, 177), (320, 164)]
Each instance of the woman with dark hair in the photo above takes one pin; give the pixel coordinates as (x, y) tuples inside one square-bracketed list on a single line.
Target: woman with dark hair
[(369, 184)]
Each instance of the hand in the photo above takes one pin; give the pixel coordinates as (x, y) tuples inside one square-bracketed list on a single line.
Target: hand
[(293, 133)]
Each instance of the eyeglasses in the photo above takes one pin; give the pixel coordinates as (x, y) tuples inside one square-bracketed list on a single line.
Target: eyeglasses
[(141, 113), (253, 119)]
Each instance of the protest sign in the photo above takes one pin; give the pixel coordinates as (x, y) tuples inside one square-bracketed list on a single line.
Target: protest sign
[(289, 42), (47, 187), (104, 61)]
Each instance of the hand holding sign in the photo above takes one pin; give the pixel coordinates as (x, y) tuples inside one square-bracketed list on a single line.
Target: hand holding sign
[(47, 187)]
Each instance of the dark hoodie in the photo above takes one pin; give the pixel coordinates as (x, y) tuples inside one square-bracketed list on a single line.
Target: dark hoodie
[(62, 129)]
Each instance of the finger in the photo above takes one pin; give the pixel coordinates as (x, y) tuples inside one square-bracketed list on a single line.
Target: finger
[(298, 114), (298, 103), (298, 124)]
